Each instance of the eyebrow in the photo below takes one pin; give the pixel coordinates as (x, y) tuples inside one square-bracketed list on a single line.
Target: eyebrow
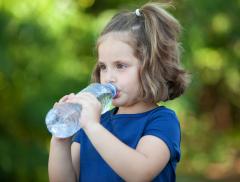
[(117, 61)]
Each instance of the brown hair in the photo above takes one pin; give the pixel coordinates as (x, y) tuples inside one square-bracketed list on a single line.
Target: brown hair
[(154, 39)]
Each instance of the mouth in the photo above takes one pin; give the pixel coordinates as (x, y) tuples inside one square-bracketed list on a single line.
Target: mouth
[(117, 94)]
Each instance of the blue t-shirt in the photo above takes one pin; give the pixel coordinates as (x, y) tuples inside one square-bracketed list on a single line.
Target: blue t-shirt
[(129, 128)]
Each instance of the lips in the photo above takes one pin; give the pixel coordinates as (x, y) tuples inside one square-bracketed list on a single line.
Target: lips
[(117, 94)]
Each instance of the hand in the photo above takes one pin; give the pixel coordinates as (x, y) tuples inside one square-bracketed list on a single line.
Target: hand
[(63, 99), (91, 107)]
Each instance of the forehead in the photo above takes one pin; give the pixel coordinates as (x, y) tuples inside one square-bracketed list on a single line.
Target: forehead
[(122, 36), (115, 45)]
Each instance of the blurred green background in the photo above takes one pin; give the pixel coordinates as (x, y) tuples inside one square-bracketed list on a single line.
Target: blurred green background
[(47, 51)]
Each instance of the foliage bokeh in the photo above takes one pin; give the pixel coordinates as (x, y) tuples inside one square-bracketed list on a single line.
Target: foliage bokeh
[(47, 51)]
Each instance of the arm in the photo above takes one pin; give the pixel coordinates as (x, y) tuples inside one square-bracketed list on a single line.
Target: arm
[(75, 152), (64, 157), (62, 165), (142, 164)]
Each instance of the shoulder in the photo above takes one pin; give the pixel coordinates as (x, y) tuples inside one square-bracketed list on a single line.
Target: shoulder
[(164, 119), (163, 123), (163, 111), (163, 115)]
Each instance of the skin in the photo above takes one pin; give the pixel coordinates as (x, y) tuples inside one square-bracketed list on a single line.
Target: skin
[(119, 66)]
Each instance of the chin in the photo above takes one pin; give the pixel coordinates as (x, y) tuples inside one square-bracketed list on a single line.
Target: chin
[(118, 103)]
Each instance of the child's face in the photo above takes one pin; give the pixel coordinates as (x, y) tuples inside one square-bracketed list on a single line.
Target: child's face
[(119, 66)]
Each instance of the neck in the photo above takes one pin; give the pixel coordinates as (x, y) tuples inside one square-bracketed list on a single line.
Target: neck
[(137, 108)]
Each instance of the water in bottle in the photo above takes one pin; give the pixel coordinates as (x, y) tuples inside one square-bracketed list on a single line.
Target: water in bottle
[(63, 120)]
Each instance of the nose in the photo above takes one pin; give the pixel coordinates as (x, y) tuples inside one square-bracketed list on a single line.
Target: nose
[(109, 77)]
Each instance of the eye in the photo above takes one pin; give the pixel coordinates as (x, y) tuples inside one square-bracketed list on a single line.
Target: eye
[(120, 66), (102, 66)]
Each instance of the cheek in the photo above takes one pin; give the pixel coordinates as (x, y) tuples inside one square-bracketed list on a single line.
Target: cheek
[(101, 78), (133, 79), (132, 85)]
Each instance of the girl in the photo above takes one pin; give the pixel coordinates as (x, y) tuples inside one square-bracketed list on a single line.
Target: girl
[(137, 140)]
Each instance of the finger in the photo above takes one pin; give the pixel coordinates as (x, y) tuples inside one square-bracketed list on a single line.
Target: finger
[(55, 104), (78, 98), (87, 98), (86, 95), (66, 97), (63, 98)]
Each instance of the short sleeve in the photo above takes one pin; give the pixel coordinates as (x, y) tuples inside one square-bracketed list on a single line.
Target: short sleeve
[(165, 125), (78, 136)]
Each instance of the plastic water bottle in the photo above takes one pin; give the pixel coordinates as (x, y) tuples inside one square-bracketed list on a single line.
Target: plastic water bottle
[(63, 120)]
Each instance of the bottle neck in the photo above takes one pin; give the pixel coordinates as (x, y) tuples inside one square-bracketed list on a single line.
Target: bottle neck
[(112, 88)]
